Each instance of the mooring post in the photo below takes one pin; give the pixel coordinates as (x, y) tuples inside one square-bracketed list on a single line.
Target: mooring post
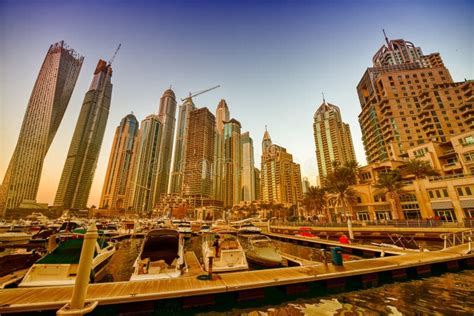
[(211, 259), (349, 226), (470, 244), (77, 306), (445, 241)]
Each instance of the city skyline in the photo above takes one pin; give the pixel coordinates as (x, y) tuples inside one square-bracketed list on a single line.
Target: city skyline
[(186, 74)]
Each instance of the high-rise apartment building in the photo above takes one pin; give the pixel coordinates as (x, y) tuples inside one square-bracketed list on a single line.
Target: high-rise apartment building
[(280, 177), (199, 156), (140, 197), (120, 164), (332, 138), (231, 178), (222, 116), (166, 115), (257, 184), (48, 102), (248, 168), (176, 184), (408, 99), (81, 161)]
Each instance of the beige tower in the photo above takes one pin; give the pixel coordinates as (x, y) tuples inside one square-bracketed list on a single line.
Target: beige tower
[(48, 102), (408, 99), (199, 156), (280, 177), (120, 164), (222, 116), (248, 168), (231, 178), (332, 138)]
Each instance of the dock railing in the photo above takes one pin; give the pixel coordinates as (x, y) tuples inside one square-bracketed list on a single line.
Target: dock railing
[(458, 238), (426, 223)]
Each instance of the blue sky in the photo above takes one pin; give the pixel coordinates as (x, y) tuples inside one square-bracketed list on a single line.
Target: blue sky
[(272, 59)]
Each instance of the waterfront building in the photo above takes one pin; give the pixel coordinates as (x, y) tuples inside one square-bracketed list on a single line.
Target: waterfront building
[(199, 155), (332, 138), (142, 185), (306, 185), (257, 184), (231, 178), (166, 115), (81, 161), (48, 102), (120, 164), (176, 182), (280, 177), (448, 196), (409, 99), (222, 116), (248, 168)]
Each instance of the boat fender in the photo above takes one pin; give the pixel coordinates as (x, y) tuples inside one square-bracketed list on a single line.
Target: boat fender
[(92, 276)]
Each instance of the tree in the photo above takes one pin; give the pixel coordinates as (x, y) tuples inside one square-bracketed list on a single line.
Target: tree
[(419, 169), (315, 200), (390, 183), (339, 182)]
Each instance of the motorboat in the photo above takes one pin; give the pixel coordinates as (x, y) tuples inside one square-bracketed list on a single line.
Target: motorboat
[(184, 228), (205, 229), (14, 236), (161, 256), (16, 259), (306, 232), (60, 266), (226, 251), (261, 250), (248, 228), (111, 230)]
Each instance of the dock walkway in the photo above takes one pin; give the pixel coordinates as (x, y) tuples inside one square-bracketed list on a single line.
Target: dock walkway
[(51, 298)]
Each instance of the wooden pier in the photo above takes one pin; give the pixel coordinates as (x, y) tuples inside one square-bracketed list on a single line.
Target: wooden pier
[(189, 291)]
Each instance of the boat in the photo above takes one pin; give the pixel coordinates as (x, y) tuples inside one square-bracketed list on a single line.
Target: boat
[(13, 236), (60, 266), (111, 230), (12, 260), (205, 229), (402, 242), (184, 228), (306, 232), (161, 256), (261, 250), (248, 228), (226, 251)]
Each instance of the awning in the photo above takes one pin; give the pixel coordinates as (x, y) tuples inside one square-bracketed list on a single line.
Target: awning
[(467, 203), (441, 205)]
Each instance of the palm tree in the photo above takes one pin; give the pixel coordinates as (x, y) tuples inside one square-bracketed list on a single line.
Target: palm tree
[(316, 199), (420, 169), (339, 182), (390, 183)]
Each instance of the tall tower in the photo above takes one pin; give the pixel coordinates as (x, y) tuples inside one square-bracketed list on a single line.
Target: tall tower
[(280, 177), (407, 99), (120, 164), (78, 173), (248, 168), (180, 146), (222, 115), (231, 178), (332, 138), (48, 102), (145, 166), (166, 115), (199, 157)]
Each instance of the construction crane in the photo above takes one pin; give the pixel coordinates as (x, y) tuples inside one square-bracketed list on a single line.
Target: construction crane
[(191, 95), (115, 54)]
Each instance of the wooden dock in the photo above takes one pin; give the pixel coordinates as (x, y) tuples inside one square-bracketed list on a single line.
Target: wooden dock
[(191, 291), (193, 265)]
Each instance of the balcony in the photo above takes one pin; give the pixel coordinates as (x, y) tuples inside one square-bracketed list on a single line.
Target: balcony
[(450, 166)]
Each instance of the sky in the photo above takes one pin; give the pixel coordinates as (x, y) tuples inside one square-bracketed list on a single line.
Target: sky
[(273, 59)]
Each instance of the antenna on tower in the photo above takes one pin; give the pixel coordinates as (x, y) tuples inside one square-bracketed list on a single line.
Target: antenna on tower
[(115, 54), (386, 38), (324, 100)]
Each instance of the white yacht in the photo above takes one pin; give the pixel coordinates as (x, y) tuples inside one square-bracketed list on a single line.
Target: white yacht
[(60, 266), (161, 256), (226, 251), (184, 228)]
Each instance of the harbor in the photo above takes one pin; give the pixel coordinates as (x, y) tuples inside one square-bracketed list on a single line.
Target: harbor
[(370, 266)]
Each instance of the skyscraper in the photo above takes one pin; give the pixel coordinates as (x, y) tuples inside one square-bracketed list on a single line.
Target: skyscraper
[(199, 157), (231, 178), (180, 146), (78, 173), (145, 166), (166, 115), (248, 168), (48, 102), (120, 164), (222, 115), (280, 177), (332, 138), (407, 99)]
